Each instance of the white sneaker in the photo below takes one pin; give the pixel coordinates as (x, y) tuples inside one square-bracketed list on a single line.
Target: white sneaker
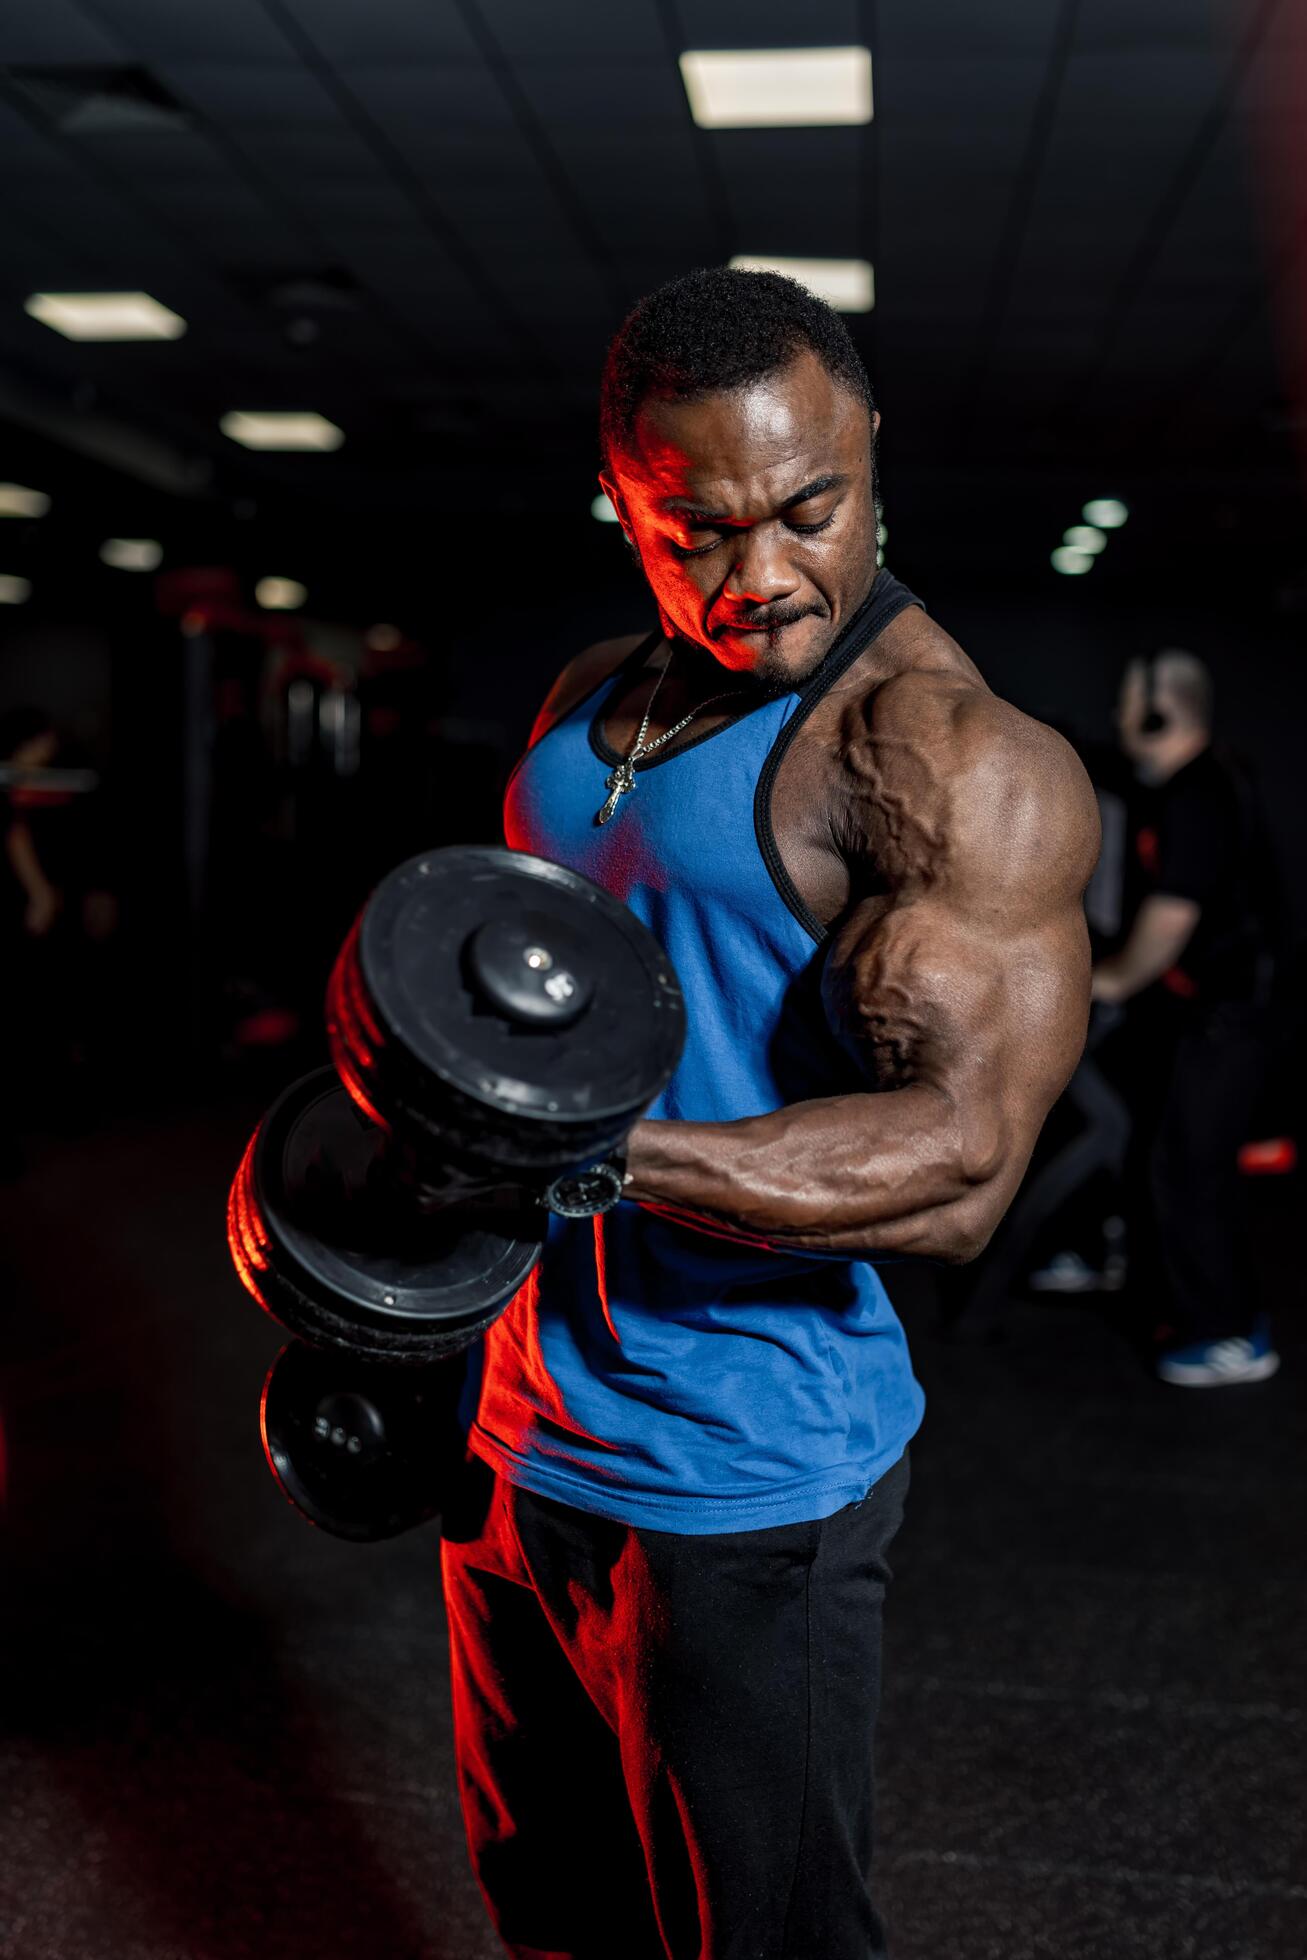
[(1066, 1272), (1219, 1364)]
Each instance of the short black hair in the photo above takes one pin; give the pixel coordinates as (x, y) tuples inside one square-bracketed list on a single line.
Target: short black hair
[(714, 330)]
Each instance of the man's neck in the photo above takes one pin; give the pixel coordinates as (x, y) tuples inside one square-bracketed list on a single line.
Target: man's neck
[(1177, 752)]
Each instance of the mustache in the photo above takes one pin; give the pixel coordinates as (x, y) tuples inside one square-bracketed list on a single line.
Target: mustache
[(770, 621)]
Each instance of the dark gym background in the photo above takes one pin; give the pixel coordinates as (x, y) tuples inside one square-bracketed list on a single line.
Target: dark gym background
[(227, 1735)]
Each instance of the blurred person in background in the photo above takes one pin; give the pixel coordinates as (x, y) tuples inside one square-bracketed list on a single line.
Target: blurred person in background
[(1194, 972), (54, 908)]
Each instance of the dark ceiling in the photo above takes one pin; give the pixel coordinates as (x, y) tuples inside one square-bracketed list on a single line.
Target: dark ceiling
[(424, 217)]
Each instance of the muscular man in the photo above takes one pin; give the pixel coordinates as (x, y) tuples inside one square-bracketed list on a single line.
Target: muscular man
[(665, 1615)]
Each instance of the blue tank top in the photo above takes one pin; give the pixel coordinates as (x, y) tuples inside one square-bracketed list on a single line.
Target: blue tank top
[(647, 1371)]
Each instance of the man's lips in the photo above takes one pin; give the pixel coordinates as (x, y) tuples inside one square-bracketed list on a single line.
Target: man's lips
[(777, 625)]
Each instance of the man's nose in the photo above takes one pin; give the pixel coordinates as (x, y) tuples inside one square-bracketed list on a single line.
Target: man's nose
[(761, 573)]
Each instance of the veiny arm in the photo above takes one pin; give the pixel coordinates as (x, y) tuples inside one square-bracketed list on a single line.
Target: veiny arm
[(960, 986)]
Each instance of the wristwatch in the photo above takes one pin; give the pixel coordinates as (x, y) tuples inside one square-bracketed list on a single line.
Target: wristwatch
[(584, 1193)]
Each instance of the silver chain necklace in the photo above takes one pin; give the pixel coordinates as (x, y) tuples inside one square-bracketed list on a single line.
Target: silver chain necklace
[(622, 778)]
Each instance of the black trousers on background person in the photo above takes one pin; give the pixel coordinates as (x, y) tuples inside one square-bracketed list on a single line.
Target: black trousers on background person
[(1194, 1089), (664, 1742)]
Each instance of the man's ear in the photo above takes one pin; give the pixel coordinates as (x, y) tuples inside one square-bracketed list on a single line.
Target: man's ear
[(614, 496)]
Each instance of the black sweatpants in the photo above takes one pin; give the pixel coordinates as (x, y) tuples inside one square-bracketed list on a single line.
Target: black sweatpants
[(665, 1742), (1195, 1097)]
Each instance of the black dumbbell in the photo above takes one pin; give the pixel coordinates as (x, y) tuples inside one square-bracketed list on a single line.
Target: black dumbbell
[(365, 1451), (497, 1025)]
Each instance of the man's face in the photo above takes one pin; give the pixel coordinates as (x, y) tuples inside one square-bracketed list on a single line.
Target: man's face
[(754, 517)]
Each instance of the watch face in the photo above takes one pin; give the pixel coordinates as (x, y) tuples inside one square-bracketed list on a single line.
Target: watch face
[(583, 1193)]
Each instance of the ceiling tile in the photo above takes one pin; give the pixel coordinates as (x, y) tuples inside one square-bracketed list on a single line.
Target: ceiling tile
[(634, 95), (56, 31), (442, 115), (1149, 26), (572, 29), (238, 94), (770, 24), (27, 152), (949, 29), (239, 29), (795, 190), (300, 154), (386, 30)]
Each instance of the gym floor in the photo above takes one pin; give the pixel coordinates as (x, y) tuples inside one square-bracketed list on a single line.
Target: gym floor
[(228, 1735)]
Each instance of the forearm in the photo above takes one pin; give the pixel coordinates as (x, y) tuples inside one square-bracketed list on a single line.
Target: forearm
[(891, 1172), (1155, 942), (20, 850)]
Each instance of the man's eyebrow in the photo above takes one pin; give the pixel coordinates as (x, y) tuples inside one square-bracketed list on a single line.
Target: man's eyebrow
[(685, 507)]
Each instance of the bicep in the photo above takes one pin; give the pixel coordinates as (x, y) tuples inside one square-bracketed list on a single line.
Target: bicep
[(990, 1019)]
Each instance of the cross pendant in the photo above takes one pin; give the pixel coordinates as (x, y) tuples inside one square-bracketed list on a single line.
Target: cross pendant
[(621, 780)]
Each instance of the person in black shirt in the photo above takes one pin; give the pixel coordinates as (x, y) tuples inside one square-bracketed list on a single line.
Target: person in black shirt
[(1195, 968)]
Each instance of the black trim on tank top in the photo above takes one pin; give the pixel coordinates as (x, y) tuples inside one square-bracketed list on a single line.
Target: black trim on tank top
[(637, 653), (886, 600)]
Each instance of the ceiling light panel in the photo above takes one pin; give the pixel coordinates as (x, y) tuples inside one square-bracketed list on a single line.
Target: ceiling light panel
[(281, 429), (280, 594), (1108, 513), (776, 88), (16, 500), (1070, 562), (132, 554), (14, 591), (105, 316), (846, 284)]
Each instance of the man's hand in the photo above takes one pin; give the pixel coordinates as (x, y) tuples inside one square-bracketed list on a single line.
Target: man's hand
[(960, 987)]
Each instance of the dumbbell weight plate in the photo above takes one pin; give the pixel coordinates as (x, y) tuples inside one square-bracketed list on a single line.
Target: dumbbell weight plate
[(503, 1011), (334, 1247), (363, 1451)]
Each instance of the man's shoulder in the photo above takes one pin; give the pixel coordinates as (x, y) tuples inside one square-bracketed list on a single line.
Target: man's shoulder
[(986, 780), (965, 723), (582, 675)]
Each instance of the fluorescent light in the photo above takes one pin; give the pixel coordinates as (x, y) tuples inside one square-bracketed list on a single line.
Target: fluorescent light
[(1108, 513), (602, 508), (1067, 559), (280, 594), (845, 284), (770, 88), (281, 429), (105, 316), (17, 501), (13, 590), (1085, 537), (132, 554)]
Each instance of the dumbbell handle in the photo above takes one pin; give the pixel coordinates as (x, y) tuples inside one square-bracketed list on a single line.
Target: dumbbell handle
[(580, 1193)]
